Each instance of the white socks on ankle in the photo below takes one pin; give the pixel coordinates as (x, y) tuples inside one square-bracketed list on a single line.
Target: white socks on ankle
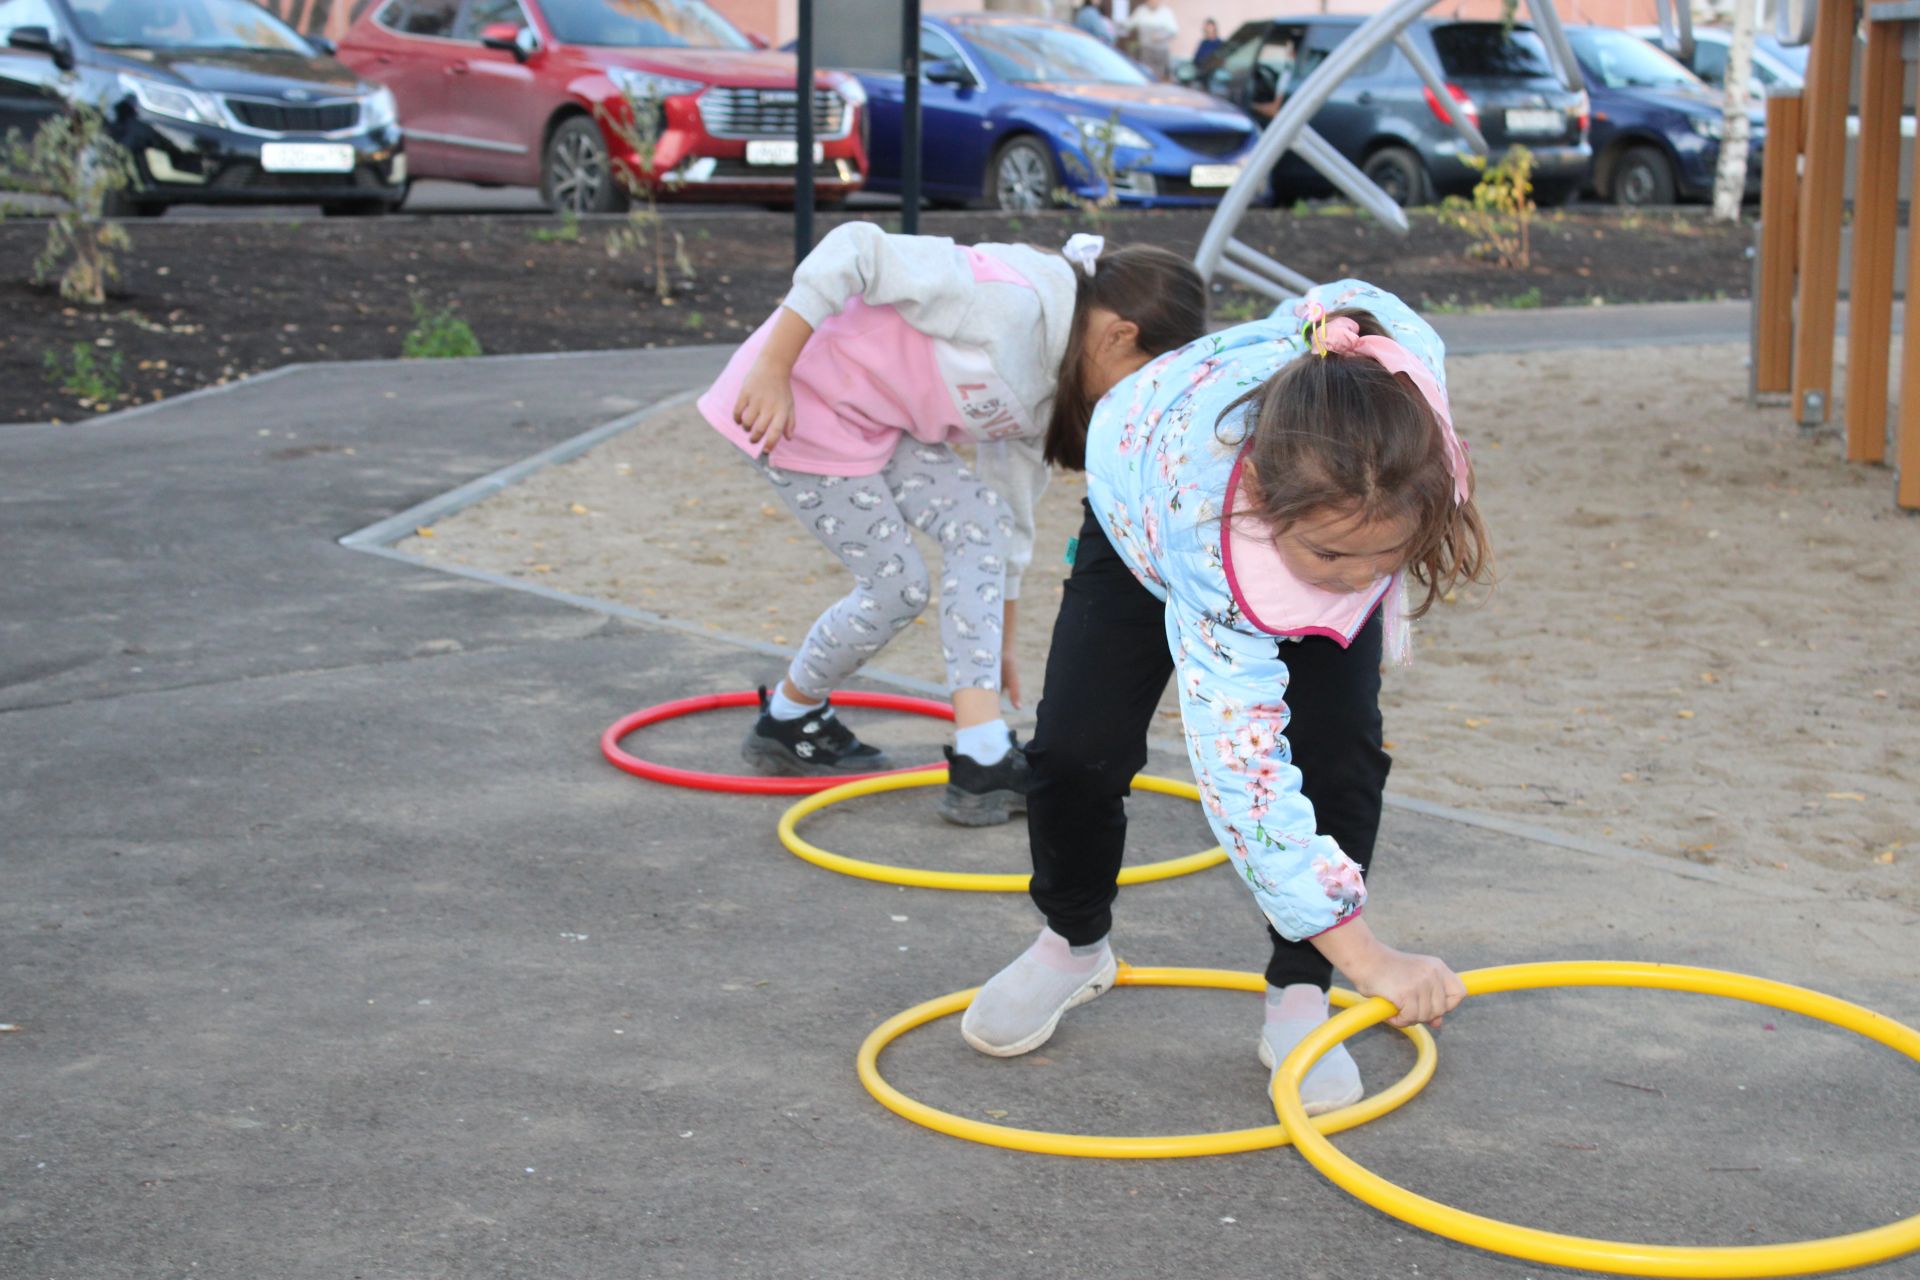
[(781, 707), (1020, 1006), (1292, 1012), (987, 743)]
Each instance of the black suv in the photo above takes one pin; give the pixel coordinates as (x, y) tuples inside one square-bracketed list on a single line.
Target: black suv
[(217, 100), (1388, 122)]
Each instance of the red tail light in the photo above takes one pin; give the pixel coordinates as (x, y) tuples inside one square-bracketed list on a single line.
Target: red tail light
[(1468, 107), (1583, 105)]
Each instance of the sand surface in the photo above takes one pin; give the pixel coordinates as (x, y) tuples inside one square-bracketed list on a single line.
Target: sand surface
[(1704, 640)]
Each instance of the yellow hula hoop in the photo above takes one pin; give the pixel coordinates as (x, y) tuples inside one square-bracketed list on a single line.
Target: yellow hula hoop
[(977, 882), (1805, 1257), (1130, 1148)]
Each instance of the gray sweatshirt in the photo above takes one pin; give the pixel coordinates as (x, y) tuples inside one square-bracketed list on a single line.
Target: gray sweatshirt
[(999, 316)]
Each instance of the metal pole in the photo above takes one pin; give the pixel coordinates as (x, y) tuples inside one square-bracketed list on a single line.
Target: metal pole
[(803, 148), (910, 120)]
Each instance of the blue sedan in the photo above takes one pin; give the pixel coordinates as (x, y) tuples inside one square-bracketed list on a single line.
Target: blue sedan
[(1019, 111)]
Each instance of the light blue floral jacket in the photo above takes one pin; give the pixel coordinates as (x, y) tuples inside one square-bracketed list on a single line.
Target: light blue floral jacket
[(1158, 471)]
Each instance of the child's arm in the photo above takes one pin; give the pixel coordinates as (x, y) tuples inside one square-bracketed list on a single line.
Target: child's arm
[(922, 277), (1232, 690), (765, 405), (1017, 472), (925, 278)]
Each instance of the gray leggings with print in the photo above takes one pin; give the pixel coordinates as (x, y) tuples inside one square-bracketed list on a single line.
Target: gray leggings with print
[(864, 521)]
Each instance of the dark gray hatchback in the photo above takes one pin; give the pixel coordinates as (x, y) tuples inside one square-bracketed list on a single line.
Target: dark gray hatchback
[(1388, 122)]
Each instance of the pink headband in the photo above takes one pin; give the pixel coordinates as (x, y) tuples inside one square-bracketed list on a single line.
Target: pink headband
[(1341, 336)]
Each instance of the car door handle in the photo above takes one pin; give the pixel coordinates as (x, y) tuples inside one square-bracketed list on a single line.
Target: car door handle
[(1365, 99), (456, 68)]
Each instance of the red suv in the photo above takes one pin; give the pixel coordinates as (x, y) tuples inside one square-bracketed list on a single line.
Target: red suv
[(516, 92)]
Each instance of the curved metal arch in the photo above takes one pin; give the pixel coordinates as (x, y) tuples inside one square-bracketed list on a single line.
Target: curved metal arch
[(1221, 254)]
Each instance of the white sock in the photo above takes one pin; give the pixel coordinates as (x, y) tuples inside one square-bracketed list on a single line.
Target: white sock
[(781, 707), (988, 743)]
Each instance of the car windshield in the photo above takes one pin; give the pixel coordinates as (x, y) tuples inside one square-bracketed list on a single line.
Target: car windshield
[(186, 24), (643, 24), (1488, 51), (1025, 52), (1620, 61)]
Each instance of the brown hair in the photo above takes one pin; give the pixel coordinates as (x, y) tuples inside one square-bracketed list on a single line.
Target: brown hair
[(1156, 289), (1341, 432)]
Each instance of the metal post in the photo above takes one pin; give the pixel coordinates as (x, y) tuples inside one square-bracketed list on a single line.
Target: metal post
[(910, 119), (803, 148)]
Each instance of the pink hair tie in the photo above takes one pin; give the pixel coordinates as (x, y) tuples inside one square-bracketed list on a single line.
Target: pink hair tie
[(1342, 336)]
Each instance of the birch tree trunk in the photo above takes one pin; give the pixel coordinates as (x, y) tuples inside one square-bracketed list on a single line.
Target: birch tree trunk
[(1730, 182)]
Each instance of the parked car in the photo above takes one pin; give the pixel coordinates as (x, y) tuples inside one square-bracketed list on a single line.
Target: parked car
[(1773, 63), (524, 92), (1385, 119), (1775, 66), (1656, 126), (218, 102), (1017, 110)]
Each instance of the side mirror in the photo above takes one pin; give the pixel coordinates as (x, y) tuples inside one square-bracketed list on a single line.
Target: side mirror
[(508, 37), (41, 40), (947, 71), (323, 46)]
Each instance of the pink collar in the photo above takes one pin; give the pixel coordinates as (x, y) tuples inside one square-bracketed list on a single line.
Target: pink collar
[(1270, 596)]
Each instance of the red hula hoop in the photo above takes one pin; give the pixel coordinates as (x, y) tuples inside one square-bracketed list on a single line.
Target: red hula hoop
[(750, 784)]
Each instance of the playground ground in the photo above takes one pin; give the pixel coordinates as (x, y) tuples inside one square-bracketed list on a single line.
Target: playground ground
[(335, 950)]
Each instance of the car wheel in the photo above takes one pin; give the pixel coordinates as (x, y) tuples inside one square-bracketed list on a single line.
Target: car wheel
[(1398, 172), (1643, 177), (1022, 180), (577, 175)]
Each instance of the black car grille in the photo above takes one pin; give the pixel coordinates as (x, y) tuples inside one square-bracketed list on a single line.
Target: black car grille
[(281, 117), (251, 177), (731, 112), (1210, 142)]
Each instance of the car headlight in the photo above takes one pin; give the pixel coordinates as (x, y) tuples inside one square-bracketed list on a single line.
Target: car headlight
[(156, 99), (852, 92), (1708, 126), (644, 86), (1097, 131), (378, 110)]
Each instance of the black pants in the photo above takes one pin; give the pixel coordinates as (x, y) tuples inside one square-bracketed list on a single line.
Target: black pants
[(1105, 673)]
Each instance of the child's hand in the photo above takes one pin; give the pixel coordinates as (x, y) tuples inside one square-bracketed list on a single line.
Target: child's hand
[(765, 406), (1421, 987)]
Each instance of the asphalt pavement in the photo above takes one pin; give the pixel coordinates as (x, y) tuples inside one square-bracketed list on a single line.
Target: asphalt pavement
[(334, 949)]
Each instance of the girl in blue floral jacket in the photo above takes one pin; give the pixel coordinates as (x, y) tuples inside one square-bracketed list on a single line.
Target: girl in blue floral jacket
[(1259, 502)]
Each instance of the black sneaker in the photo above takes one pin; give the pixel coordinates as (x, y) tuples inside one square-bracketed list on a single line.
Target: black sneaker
[(815, 744), (986, 795)]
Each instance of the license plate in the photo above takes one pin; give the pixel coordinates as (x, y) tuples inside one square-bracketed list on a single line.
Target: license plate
[(772, 151), (1535, 122), (306, 157), (1213, 175)]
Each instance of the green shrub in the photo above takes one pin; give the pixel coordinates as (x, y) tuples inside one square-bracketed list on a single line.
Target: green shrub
[(638, 128), (85, 376), (437, 335), (73, 159), (1499, 216)]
